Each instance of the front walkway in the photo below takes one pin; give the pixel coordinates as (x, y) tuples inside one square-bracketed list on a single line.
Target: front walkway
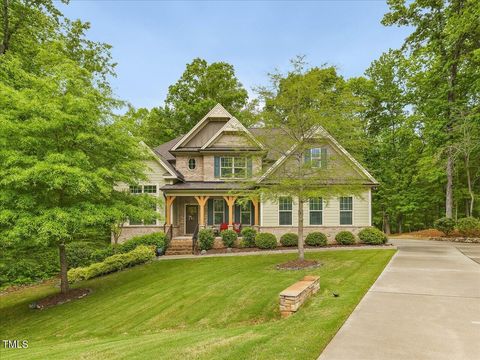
[(425, 305)]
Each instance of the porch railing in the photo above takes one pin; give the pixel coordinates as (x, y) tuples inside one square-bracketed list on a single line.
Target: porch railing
[(195, 239)]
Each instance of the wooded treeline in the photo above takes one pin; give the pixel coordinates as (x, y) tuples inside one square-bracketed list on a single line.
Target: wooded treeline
[(418, 106)]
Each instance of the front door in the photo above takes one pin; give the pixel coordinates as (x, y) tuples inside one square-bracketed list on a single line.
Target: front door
[(191, 218)]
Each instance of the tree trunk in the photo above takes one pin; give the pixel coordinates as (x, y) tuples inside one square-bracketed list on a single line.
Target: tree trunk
[(400, 223), (469, 185), (301, 252), (4, 44), (449, 190), (386, 224), (63, 269)]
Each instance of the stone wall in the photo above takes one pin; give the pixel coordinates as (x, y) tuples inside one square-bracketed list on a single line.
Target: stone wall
[(131, 231), (294, 296)]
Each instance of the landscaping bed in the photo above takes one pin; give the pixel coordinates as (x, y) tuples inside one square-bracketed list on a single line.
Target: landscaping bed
[(278, 248), (298, 265), (58, 299)]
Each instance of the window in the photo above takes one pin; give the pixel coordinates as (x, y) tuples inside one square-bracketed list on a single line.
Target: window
[(285, 210), (218, 211), (233, 167), (134, 189), (316, 210), (150, 189), (245, 213), (346, 210), (192, 164), (316, 157), (143, 189)]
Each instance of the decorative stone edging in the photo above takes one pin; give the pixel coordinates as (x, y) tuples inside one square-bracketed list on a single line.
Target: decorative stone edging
[(295, 295), (457, 239)]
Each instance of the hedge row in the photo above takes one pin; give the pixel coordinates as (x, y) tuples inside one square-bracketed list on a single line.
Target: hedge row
[(467, 227), (139, 255)]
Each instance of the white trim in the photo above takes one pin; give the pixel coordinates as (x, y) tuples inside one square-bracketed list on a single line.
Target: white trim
[(370, 206), (185, 216), (322, 211), (319, 130), (217, 108), (291, 211), (160, 161), (353, 211), (261, 211), (232, 125)]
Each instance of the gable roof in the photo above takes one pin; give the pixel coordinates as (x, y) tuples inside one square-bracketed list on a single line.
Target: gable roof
[(233, 125), (218, 111), (173, 173), (319, 130)]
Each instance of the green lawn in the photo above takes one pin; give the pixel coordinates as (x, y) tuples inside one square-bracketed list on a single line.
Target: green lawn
[(210, 308)]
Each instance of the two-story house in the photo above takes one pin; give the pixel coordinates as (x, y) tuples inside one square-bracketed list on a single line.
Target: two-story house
[(196, 175)]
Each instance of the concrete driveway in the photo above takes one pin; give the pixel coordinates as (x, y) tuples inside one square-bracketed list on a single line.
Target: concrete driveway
[(425, 305)]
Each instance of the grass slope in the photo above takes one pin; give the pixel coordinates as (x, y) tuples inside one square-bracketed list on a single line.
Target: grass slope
[(210, 308)]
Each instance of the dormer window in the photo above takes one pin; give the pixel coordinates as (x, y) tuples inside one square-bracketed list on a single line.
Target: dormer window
[(192, 164), (233, 167)]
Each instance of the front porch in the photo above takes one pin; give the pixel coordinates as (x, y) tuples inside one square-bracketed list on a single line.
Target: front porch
[(187, 213)]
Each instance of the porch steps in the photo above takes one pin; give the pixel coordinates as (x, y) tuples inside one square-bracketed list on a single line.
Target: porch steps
[(180, 247)]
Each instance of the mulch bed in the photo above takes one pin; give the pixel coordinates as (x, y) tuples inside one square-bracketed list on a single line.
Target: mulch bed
[(298, 265), (237, 250), (58, 299)]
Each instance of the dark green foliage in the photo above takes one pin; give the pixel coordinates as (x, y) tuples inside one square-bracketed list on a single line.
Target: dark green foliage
[(27, 265), (248, 237), (345, 238), (445, 225), (372, 236), (265, 240), (469, 227), (79, 254), (228, 237), (139, 255), (102, 254), (289, 239), (316, 238), (157, 239), (206, 238)]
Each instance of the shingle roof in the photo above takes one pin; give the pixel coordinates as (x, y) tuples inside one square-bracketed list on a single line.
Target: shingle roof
[(203, 185)]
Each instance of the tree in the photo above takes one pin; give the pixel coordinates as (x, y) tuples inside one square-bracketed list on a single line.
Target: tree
[(394, 143), (296, 104), (62, 150), (198, 90), (443, 62)]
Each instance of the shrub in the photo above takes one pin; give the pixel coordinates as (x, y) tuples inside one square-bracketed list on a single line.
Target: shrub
[(372, 236), (139, 255), (289, 239), (101, 254), (79, 254), (157, 239), (469, 226), (265, 241), (445, 225), (248, 237), (206, 238), (228, 237), (316, 238), (345, 238)]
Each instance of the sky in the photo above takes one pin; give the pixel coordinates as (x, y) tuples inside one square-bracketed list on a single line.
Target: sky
[(154, 40)]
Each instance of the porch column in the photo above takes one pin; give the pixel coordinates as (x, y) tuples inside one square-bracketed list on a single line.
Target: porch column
[(230, 201), (202, 200), (256, 221), (168, 209)]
